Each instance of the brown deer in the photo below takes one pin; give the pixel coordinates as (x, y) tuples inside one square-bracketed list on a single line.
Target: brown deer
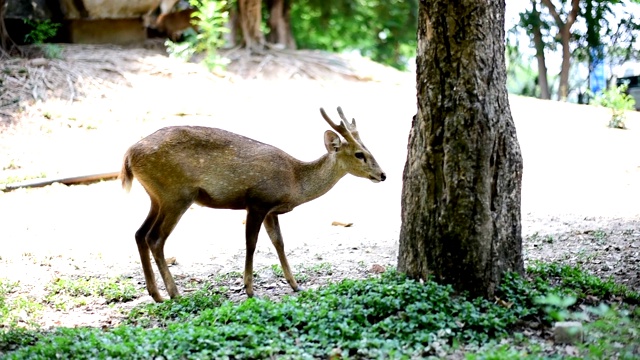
[(180, 165), (175, 23)]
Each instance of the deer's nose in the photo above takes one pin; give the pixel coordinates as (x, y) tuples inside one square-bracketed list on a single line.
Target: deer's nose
[(383, 176)]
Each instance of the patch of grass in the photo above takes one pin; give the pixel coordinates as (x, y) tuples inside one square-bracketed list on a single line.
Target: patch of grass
[(389, 316), (16, 309), (304, 273), (386, 316), (581, 284), (16, 179), (181, 309), (64, 292), (323, 268), (11, 166), (600, 235), (228, 276), (277, 270)]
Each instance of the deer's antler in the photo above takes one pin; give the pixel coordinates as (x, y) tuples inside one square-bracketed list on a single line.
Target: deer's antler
[(344, 129), (351, 127)]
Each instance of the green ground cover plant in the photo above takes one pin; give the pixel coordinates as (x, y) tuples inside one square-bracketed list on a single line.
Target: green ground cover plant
[(389, 316)]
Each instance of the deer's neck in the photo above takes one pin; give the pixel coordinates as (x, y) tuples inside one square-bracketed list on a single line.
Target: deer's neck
[(318, 177)]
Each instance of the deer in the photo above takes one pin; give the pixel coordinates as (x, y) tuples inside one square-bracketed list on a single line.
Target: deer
[(173, 24), (215, 168)]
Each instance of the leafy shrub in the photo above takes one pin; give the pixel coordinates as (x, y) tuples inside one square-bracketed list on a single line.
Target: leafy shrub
[(211, 20), (41, 30), (616, 99)]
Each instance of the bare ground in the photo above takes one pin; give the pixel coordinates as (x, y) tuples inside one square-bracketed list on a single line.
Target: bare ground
[(581, 186)]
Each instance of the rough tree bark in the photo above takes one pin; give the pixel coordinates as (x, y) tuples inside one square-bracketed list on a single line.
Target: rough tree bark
[(280, 24), (463, 175), (250, 20), (564, 31)]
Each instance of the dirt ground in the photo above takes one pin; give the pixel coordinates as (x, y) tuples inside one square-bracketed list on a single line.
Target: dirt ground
[(580, 201)]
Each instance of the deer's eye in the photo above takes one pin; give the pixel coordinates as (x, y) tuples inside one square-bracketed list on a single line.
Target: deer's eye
[(360, 156)]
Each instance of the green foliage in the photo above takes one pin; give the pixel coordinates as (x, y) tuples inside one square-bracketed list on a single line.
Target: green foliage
[(15, 309), (16, 179), (613, 334), (305, 272), (62, 293), (384, 31), (386, 317), (181, 309), (580, 284), (616, 99), (16, 338), (521, 78), (211, 19), (52, 51), (41, 30)]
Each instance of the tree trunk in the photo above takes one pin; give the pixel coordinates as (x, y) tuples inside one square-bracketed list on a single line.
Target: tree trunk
[(564, 32), (280, 24), (539, 45), (463, 175), (563, 88), (6, 43), (250, 20)]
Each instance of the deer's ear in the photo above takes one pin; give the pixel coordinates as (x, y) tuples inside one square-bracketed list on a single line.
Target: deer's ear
[(331, 141)]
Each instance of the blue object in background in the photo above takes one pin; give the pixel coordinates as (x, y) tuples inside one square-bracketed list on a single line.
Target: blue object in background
[(597, 79)]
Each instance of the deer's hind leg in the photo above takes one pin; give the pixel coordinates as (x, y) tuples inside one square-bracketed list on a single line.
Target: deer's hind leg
[(143, 249), (168, 216), (272, 225)]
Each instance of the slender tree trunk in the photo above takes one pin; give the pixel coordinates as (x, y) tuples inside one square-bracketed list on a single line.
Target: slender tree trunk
[(280, 24), (539, 45), (462, 179), (564, 31), (565, 68), (6, 43), (250, 20)]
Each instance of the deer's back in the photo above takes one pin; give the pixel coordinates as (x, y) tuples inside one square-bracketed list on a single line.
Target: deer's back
[(217, 168)]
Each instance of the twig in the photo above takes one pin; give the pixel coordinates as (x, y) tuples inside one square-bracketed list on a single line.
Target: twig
[(83, 179), (71, 89)]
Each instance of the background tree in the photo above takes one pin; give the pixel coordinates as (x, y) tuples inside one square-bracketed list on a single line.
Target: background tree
[(610, 36), (250, 18), (462, 179), (521, 78), (533, 23), (384, 31), (381, 30), (606, 32), (279, 23), (564, 35), (6, 43)]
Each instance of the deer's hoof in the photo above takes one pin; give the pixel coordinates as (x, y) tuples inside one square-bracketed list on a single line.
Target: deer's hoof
[(298, 289)]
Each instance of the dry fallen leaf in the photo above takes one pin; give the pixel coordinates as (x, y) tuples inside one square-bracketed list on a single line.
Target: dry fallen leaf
[(338, 223), (377, 269), (171, 261)]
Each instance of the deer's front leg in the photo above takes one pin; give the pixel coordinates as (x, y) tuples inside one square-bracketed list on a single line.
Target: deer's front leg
[(252, 228), (272, 225)]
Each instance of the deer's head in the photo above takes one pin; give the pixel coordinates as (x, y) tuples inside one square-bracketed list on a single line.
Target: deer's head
[(351, 153)]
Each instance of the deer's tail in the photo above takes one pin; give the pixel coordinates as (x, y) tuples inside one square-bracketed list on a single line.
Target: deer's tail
[(126, 176)]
